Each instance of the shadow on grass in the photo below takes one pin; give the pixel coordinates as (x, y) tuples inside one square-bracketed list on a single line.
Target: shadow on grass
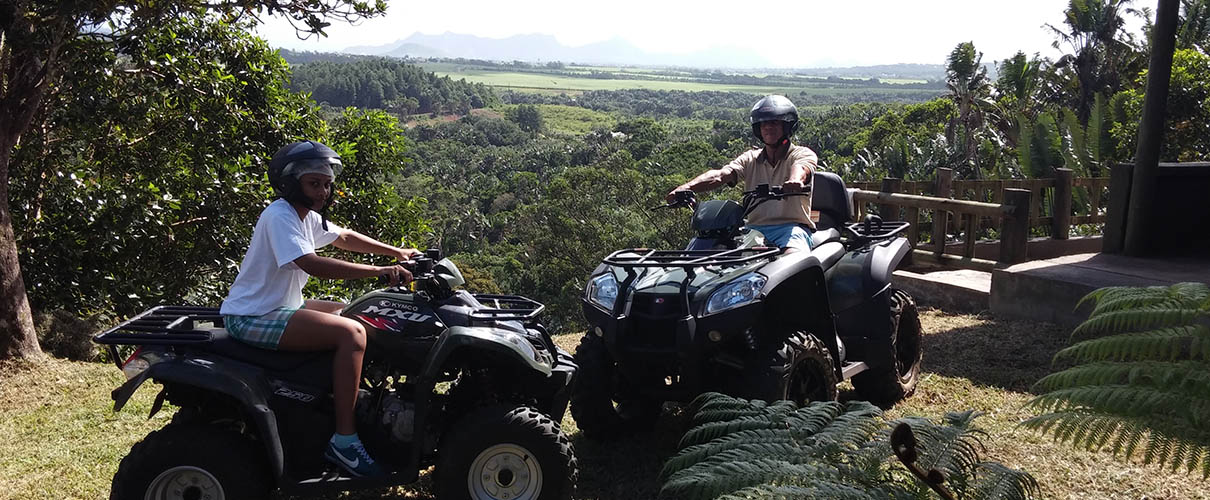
[(1011, 355), (618, 468), (628, 467)]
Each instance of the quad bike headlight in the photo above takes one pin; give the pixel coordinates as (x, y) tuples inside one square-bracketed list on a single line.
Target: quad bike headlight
[(743, 290), (603, 291)]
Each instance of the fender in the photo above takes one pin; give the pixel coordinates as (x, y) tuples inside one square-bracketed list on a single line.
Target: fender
[(797, 286), (864, 273), (488, 339), (227, 378)]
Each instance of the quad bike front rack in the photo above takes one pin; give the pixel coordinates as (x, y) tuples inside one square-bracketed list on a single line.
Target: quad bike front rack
[(506, 308)]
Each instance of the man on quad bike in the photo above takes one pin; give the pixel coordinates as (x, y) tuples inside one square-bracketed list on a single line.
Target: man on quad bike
[(265, 306), (787, 222)]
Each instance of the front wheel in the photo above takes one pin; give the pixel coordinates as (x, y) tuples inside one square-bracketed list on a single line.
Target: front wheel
[(799, 370), (897, 378), (506, 453), (598, 386), (183, 461)]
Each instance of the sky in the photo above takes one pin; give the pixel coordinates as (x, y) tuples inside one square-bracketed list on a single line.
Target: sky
[(802, 33)]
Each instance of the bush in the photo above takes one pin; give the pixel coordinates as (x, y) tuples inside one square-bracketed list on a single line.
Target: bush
[(64, 335)]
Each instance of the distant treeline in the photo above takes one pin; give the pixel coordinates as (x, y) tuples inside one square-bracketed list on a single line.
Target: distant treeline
[(375, 82)]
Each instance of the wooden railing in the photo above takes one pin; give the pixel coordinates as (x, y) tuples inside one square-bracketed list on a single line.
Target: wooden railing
[(1015, 207)]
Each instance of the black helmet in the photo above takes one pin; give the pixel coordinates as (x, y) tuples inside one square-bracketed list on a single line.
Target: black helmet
[(298, 159), (775, 107)]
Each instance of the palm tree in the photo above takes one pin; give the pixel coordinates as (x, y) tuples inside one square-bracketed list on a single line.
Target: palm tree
[(1100, 47), (970, 89)]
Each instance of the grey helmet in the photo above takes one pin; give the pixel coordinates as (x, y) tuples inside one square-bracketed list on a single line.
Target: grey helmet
[(775, 107), (297, 159)]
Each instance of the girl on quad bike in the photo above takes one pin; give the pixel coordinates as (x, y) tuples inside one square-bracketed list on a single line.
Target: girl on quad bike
[(786, 223), (265, 306)]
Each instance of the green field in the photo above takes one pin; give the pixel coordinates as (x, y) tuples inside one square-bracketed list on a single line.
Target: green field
[(502, 78)]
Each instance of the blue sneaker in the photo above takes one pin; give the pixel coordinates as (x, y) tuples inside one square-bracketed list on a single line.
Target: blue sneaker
[(353, 458)]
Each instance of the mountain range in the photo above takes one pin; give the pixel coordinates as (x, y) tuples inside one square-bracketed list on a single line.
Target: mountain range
[(545, 48)]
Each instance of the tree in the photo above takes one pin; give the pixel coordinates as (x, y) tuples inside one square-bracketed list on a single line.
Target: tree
[(124, 176), (1186, 119), (528, 117), (970, 89), (36, 38), (1101, 49)]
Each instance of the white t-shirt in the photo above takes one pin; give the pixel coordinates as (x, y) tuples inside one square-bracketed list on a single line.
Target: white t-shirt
[(268, 277)]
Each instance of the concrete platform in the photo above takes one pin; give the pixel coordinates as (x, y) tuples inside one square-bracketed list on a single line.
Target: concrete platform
[(1043, 290), (1048, 290), (958, 290)]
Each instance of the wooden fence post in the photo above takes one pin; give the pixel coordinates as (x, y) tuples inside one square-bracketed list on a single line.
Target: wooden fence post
[(945, 177), (913, 232), (1014, 231), (887, 211), (1060, 209)]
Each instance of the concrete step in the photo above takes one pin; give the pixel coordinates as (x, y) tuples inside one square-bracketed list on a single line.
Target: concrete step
[(957, 290), (1043, 290), (1048, 290)]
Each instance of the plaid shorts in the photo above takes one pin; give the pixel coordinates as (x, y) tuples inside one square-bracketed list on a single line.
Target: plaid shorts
[(261, 331)]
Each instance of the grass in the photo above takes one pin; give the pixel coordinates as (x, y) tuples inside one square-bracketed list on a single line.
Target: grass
[(63, 441)]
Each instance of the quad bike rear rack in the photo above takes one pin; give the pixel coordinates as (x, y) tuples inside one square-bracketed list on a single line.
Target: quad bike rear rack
[(877, 229), (162, 325)]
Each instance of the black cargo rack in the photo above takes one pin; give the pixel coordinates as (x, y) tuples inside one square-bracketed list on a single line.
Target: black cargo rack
[(506, 308), (163, 325), (877, 230), (645, 257)]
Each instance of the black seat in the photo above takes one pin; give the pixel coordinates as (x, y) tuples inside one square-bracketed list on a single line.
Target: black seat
[(832, 200), (225, 345)]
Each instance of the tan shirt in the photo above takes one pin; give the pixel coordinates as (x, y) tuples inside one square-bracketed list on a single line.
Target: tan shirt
[(755, 169)]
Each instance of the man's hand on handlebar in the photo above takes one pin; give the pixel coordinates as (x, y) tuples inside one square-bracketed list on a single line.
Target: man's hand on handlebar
[(674, 195), (792, 187)]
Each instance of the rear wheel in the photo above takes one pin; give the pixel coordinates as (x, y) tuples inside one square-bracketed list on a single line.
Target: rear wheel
[(897, 378), (598, 386), (506, 453), (184, 462), (800, 370)]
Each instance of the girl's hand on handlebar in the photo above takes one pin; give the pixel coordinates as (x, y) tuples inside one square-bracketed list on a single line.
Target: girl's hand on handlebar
[(395, 275), (407, 253)]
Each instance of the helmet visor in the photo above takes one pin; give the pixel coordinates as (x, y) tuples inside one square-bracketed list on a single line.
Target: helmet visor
[(328, 166)]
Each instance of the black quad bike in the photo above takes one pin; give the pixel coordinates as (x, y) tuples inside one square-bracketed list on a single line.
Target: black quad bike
[(730, 314), (469, 382)]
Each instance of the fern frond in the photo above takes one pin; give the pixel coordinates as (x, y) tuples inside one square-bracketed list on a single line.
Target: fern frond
[(1136, 320), (786, 450), (993, 480), (700, 482), (1188, 380), (1187, 295), (1130, 401), (1181, 342), (1171, 442), (813, 490), (720, 414), (719, 401), (811, 417)]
